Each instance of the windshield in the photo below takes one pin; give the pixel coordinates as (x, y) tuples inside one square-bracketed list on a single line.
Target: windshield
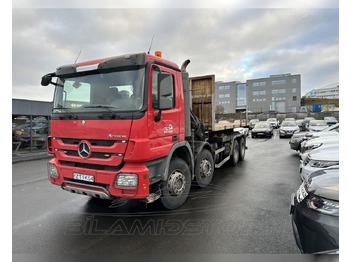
[(289, 123), (117, 91), (261, 125), (318, 123), (271, 120)]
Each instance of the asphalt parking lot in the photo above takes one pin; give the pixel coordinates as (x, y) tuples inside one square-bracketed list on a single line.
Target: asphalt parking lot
[(245, 210)]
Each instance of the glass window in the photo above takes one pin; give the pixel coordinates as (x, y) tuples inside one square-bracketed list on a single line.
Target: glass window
[(117, 91), (294, 98), (294, 81), (278, 82), (227, 95), (282, 91), (221, 95), (294, 90), (263, 92), (274, 92), (221, 87), (256, 93), (227, 87)]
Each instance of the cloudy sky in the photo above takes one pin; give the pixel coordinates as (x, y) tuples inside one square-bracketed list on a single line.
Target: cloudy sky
[(235, 41)]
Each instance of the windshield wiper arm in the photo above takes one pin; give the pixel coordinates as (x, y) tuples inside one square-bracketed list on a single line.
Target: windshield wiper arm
[(70, 114), (111, 115)]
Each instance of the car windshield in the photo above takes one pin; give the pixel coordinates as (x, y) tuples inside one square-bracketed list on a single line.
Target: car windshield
[(332, 128), (272, 120), (117, 91), (289, 123), (318, 123), (261, 125)]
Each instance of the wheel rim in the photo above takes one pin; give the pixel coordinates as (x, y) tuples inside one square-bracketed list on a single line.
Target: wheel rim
[(205, 168), (176, 183)]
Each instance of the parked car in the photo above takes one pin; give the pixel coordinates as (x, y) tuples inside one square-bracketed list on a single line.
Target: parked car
[(331, 120), (274, 122), (305, 123), (316, 125), (262, 128), (298, 137), (308, 145), (315, 213), (288, 128), (318, 159), (329, 131), (299, 122), (252, 123)]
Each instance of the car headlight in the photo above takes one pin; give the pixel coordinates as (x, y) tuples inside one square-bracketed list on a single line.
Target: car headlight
[(52, 170), (282, 131), (126, 180), (301, 193), (314, 146), (322, 164), (322, 205)]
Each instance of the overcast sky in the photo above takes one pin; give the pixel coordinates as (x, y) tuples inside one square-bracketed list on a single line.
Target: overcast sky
[(246, 40)]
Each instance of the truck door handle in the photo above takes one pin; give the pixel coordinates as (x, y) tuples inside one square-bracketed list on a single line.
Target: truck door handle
[(175, 138)]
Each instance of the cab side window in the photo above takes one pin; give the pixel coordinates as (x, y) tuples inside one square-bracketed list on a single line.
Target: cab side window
[(155, 90)]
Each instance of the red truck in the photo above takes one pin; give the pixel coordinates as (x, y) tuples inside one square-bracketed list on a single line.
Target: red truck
[(136, 126)]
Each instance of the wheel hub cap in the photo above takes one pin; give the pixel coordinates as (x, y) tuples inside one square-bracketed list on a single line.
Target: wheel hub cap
[(176, 183)]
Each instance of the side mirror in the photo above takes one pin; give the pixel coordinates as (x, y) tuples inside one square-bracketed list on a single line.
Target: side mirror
[(46, 80), (165, 90)]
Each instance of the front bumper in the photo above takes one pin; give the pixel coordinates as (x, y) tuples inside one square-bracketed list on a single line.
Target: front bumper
[(104, 181), (314, 232)]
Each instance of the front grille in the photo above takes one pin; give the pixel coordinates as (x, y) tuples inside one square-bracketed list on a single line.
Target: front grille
[(73, 141), (99, 155), (91, 166)]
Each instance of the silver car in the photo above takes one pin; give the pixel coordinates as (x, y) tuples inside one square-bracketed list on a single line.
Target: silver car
[(288, 128), (308, 145), (317, 125), (319, 159)]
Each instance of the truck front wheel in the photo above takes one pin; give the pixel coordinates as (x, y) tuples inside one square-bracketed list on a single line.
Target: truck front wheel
[(177, 187), (204, 169), (241, 149)]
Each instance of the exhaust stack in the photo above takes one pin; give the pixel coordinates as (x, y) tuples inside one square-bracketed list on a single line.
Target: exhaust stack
[(187, 97)]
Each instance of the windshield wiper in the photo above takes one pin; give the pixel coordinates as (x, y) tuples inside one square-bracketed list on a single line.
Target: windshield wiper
[(111, 114), (70, 114)]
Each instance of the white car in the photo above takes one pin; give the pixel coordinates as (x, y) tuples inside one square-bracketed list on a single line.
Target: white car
[(319, 159), (274, 122), (321, 142)]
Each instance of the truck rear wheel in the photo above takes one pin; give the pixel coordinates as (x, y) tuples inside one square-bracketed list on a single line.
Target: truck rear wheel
[(235, 153), (204, 169), (177, 187), (241, 149)]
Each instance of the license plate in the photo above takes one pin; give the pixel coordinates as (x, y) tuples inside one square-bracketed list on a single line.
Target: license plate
[(82, 177), (260, 133)]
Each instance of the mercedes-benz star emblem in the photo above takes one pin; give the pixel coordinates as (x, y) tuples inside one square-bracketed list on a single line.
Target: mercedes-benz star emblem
[(84, 149)]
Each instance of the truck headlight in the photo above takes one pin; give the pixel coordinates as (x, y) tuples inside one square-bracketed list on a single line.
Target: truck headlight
[(325, 206), (322, 164), (52, 170), (126, 180)]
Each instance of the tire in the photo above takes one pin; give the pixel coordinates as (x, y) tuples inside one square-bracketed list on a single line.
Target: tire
[(176, 188), (241, 149), (204, 169), (235, 153)]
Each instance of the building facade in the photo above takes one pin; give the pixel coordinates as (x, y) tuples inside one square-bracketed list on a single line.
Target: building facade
[(225, 96), (281, 93), (330, 91)]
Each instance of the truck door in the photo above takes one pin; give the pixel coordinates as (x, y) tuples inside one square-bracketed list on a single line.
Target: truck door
[(165, 132)]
